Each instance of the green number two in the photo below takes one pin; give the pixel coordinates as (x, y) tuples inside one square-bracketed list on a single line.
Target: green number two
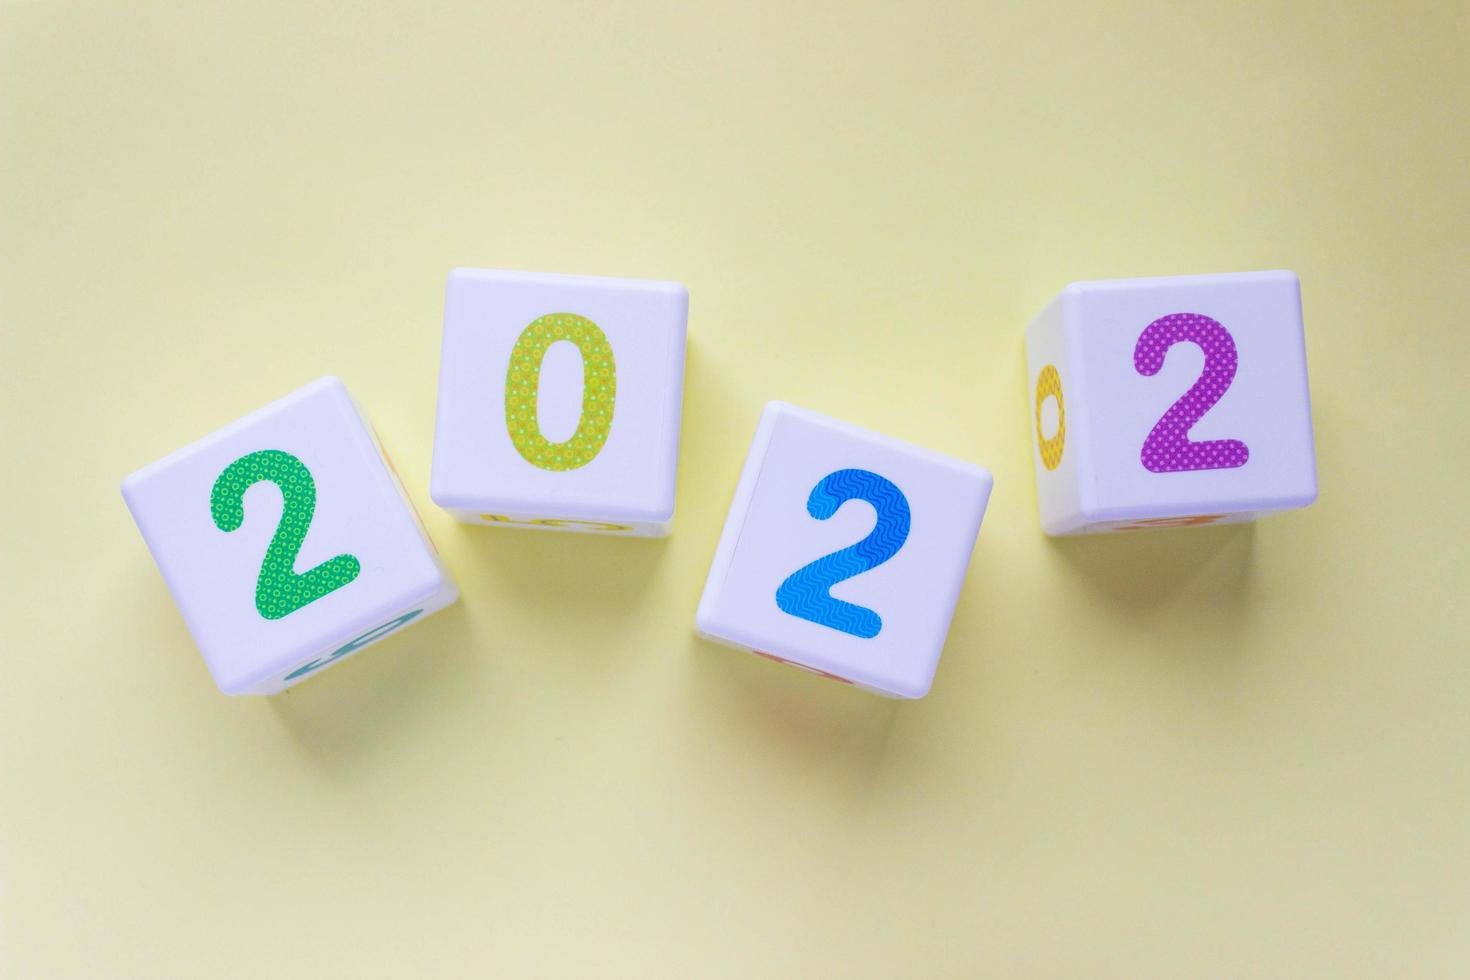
[(280, 591), (523, 386)]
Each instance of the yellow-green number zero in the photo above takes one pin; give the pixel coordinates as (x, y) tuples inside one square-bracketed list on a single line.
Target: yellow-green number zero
[(523, 383)]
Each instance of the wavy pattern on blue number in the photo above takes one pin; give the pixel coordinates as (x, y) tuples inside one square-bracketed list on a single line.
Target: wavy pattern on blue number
[(806, 593)]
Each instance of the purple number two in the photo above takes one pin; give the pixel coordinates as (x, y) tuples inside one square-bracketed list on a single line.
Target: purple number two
[(1168, 448)]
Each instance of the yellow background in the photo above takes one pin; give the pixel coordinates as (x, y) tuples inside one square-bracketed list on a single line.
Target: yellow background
[(1228, 752)]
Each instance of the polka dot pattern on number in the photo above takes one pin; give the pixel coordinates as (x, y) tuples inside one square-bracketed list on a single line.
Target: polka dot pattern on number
[(557, 522), (1168, 448), (522, 387), (279, 591), (1049, 385)]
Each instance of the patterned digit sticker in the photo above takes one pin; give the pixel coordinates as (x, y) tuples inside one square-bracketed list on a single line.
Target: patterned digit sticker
[(1154, 522), (1168, 448), (556, 522), (1049, 385), (806, 593), (279, 591), (523, 386), (353, 645), (810, 670)]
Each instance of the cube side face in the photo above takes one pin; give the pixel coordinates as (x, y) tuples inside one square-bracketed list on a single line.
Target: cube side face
[(560, 399), (567, 525), (1058, 421), (707, 621), (282, 536), (1197, 405), (844, 553), (403, 498), (415, 612)]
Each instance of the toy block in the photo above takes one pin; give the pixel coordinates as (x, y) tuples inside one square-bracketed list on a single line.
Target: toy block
[(844, 552), (287, 540), (559, 402), (1170, 402)]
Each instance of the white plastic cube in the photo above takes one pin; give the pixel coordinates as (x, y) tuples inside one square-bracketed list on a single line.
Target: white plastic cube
[(1170, 402), (559, 402), (287, 541), (843, 552)]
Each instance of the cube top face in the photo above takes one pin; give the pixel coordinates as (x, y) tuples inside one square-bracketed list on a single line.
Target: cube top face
[(559, 401), (283, 536), (844, 552), (1173, 400)]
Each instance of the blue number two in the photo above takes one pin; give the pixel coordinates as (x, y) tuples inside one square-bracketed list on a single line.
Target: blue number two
[(806, 593)]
